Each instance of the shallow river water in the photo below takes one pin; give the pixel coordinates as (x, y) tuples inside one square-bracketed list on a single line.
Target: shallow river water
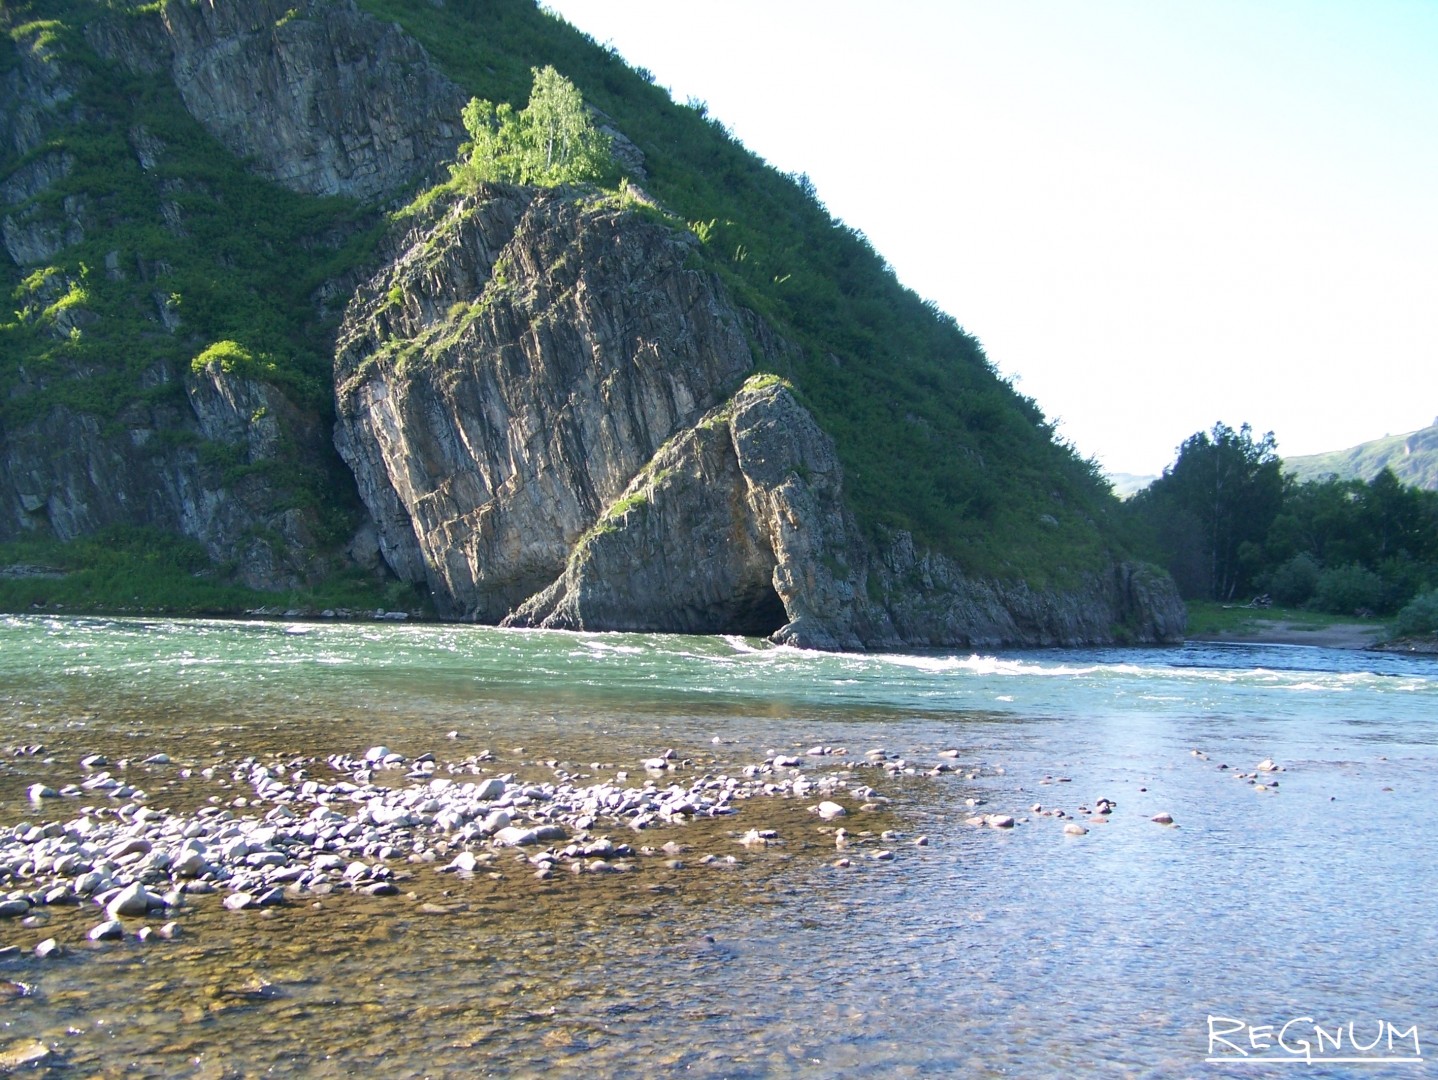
[(1136, 949)]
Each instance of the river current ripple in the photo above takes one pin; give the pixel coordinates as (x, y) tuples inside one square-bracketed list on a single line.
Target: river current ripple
[(981, 951)]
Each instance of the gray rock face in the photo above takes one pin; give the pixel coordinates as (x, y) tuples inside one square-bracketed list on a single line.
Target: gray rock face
[(510, 372), (542, 407), (319, 96), (68, 474), (737, 526), (931, 602), (36, 92)]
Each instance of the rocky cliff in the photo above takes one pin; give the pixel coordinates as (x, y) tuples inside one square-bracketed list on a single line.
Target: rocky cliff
[(316, 95), (193, 462), (547, 409), (507, 375), (546, 400)]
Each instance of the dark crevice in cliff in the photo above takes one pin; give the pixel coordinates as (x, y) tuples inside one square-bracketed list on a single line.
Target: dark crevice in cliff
[(757, 613)]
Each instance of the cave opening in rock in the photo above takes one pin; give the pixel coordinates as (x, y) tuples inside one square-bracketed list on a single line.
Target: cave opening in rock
[(757, 612)]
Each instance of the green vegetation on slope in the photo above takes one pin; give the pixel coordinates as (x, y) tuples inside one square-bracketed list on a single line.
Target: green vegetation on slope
[(138, 570), (1412, 457), (1229, 525), (931, 439), (175, 260), (190, 258), (551, 141)]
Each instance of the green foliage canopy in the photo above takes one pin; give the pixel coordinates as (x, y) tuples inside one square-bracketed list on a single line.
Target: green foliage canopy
[(1213, 506), (551, 141), (1226, 524)]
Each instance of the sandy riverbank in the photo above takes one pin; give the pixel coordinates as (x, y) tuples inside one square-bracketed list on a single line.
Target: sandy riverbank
[(1281, 632)]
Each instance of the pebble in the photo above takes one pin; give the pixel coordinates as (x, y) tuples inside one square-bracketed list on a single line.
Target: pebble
[(1163, 818), (1073, 828), (133, 900), (25, 1055), (293, 829), (48, 948)]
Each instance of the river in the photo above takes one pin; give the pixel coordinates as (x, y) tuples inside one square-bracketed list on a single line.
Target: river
[(1299, 897)]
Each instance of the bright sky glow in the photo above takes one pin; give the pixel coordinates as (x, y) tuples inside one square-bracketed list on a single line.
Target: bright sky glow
[(1154, 214)]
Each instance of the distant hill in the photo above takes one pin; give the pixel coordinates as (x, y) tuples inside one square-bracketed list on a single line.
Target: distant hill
[(1412, 457)]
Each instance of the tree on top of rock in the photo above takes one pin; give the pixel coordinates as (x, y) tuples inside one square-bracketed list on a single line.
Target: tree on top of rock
[(552, 140)]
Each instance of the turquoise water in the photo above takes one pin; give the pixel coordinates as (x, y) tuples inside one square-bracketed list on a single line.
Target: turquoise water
[(985, 951)]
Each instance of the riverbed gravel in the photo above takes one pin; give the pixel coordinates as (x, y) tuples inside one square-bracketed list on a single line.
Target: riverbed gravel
[(312, 827)]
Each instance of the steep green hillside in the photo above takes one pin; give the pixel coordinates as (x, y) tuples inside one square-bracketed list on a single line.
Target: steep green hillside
[(1412, 457), (932, 440), (174, 258), (173, 254)]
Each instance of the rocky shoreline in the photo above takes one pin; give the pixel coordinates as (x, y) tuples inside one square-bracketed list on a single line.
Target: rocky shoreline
[(317, 826)]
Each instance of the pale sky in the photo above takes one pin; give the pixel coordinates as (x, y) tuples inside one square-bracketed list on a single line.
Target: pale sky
[(1154, 214)]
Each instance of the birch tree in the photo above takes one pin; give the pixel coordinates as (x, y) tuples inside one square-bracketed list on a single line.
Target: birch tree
[(551, 141)]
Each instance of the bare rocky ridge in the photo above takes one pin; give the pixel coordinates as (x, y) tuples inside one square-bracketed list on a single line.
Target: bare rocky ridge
[(503, 380), (317, 96), (543, 407)]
